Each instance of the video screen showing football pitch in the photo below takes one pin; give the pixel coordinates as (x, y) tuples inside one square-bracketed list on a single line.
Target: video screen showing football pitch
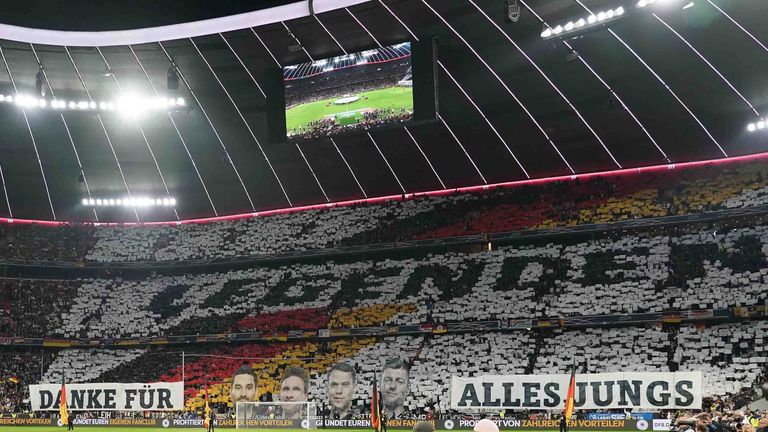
[(349, 93)]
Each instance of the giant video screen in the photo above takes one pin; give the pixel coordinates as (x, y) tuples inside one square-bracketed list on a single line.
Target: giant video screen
[(345, 94)]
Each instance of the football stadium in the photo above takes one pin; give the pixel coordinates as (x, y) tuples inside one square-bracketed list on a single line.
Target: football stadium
[(349, 93), (384, 215)]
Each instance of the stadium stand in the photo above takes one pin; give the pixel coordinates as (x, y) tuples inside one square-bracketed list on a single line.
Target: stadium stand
[(613, 198), (632, 273), (693, 267), (730, 355)]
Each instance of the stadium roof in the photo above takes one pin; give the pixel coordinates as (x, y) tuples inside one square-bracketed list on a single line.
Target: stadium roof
[(654, 86)]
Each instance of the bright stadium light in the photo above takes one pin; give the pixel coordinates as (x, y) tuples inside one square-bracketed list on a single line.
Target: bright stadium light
[(130, 202), (579, 24), (647, 3), (125, 104)]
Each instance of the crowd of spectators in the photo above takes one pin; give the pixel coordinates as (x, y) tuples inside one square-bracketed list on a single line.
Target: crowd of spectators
[(371, 119), (18, 369), (44, 243), (612, 198), (34, 306), (668, 268), (434, 359)]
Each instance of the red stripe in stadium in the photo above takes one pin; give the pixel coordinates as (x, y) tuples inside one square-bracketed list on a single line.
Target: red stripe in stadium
[(400, 197)]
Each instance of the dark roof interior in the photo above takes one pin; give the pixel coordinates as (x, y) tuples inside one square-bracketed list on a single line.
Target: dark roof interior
[(715, 105)]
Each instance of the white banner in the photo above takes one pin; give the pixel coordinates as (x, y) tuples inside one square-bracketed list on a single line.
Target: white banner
[(109, 397), (654, 390)]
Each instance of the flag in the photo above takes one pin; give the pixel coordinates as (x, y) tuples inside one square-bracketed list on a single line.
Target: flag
[(13, 379), (207, 420), (375, 406), (571, 390), (63, 403)]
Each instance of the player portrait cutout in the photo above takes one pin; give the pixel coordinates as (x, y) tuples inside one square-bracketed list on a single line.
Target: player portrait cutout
[(341, 387), (294, 387), (394, 387), (244, 389)]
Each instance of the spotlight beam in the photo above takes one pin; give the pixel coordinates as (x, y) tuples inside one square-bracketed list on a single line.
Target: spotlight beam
[(511, 93), (313, 173), (243, 65), (740, 26), (210, 123), (348, 167), (290, 33), (329, 33), (439, 117), (245, 122), (416, 38), (666, 86), (66, 127), (176, 128), (708, 63), (266, 48), (425, 156), (364, 27), (5, 191), (31, 136), (482, 114), (141, 130), (552, 84), (605, 84), (404, 127), (386, 162), (103, 128), (369, 135)]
